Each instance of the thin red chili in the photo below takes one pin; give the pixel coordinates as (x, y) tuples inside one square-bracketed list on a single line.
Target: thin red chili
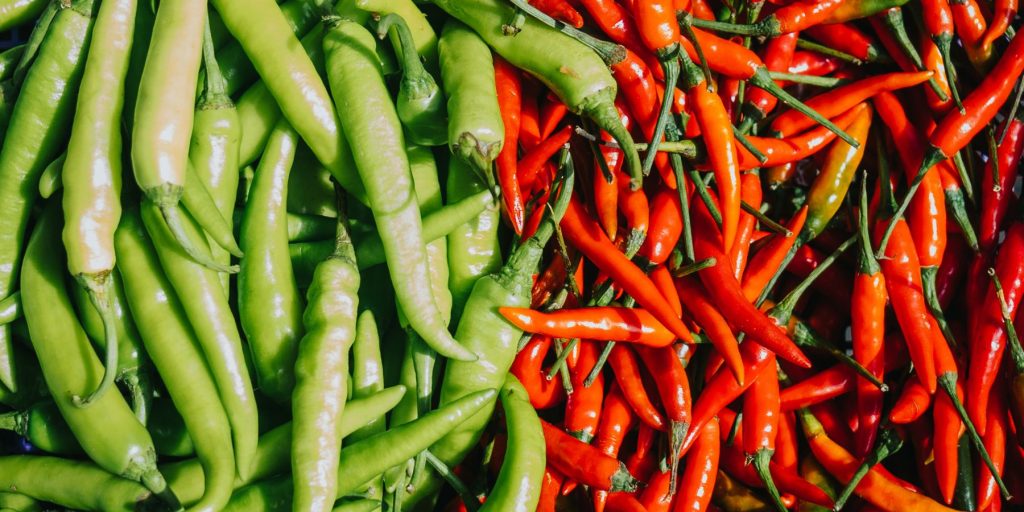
[(528, 368), (712, 322), (846, 38), (996, 196), (766, 261), (583, 405), (585, 463), (698, 480), (509, 90), (674, 390), (626, 369)]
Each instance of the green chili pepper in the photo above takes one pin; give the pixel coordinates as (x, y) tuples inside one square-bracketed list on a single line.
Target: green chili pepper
[(495, 341), (207, 310), (572, 71), (476, 131), (473, 248), (302, 228), (239, 73), (35, 40), (422, 33), (368, 458), (18, 12), (321, 389), (213, 150), (164, 117), (144, 20), (357, 505), (370, 250), (274, 454), (420, 103), (171, 343), (367, 369), (838, 169), (367, 114), (519, 482), (38, 129), (75, 484), (290, 76), (132, 362), (10, 308), (31, 387), (8, 94), (311, 190), (50, 179), (107, 430), (18, 502), (92, 172), (9, 59), (170, 435), (270, 307), (44, 427)]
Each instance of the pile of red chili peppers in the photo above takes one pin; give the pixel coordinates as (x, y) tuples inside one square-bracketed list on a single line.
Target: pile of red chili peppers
[(787, 314)]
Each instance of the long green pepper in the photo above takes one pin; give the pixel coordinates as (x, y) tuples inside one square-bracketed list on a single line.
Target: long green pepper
[(213, 151), (18, 12), (519, 481), (420, 103), (38, 129), (269, 303), (321, 371), (207, 309), (367, 114), (473, 248), (107, 429), (92, 171), (171, 343)]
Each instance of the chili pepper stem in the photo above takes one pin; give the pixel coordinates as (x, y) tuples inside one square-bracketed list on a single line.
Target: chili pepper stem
[(622, 481), (931, 297), (932, 157), (958, 210), (453, 480), (748, 145), (694, 267), (965, 175), (602, 111), (100, 288), (947, 381), (889, 443), (1013, 113), (154, 481), (762, 78), (767, 27), (944, 43), (819, 81), (16, 421), (676, 439), (804, 44), (761, 461), (669, 58), (610, 53), (175, 223), (893, 19), (684, 204), (685, 22), (768, 223), (602, 359)]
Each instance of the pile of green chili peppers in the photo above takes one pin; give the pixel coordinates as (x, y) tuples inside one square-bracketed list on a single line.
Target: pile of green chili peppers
[(251, 253)]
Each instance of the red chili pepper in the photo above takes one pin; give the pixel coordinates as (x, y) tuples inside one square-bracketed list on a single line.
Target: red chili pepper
[(761, 411), (1003, 12), (662, 278), (551, 114), (799, 16), (971, 27), (665, 229), (656, 20), (533, 161), (996, 196), (713, 323), (735, 463), (628, 375), (980, 106), (528, 368), (833, 283), (674, 390), (658, 495), (995, 442), (812, 64), (549, 488), (931, 57), (617, 419), (583, 405), (842, 98), (552, 279), (623, 502), (699, 475), (560, 10), (902, 271), (614, 21), (750, 192), (723, 388), (778, 53), (913, 402), (509, 90), (844, 37), (826, 385), (946, 436), (611, 323), (792, 149), (644, 459), (635, 209), (641, 92), (606, 193), (585, 463), (876, 488), (725, 292), (581, 231), (766, 261), (867, 330), (989, 338), (786, 443), (529, 115)]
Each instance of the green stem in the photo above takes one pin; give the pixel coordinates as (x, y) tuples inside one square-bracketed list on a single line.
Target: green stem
[(610, 53), (931, 158), (768, 223), (670, 64), (762, 78), (175, 223), (888, 443), (762, 462), (749, 146), (602, 359), (818, 81), (784, 308), (931, 297), (468, 499), (694, 267), (804, 44), (215, 86), (100, 288), (893, 19), (947, 381), (944, 43)]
